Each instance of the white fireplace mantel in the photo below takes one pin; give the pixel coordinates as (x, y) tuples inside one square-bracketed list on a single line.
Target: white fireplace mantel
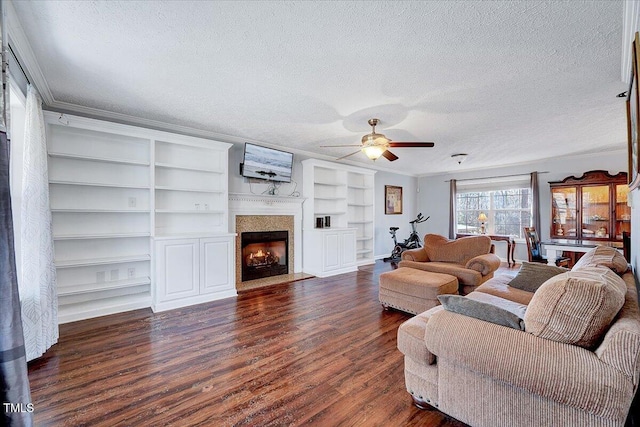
[(258, 204)]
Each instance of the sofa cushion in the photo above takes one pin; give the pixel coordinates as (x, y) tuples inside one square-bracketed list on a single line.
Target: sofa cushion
[(603, 256), (499, 286), (534, 274), (486, 307), (459, 251), (576, 307)]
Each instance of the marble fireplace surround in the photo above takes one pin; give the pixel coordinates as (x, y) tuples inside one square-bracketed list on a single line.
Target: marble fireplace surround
[(253, 212)]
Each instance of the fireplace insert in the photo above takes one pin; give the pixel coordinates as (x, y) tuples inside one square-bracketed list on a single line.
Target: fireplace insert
[(264, 254)]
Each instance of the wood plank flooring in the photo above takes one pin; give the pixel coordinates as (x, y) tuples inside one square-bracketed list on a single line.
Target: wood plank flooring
[(316, 352)]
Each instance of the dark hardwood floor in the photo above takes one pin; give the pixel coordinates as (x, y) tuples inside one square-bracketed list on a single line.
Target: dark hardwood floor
[(315, 351)]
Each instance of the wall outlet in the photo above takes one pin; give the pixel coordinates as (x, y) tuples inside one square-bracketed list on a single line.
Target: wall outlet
[(115, 274), (100, 276), (132, 202), (131, 273)]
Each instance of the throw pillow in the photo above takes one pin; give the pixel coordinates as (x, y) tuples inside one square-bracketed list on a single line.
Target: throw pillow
[(534, 274), (603, 256), (576, 307), (483, 310)]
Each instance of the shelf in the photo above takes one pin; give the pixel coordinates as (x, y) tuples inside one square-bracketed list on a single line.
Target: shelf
[(363, 205), (103, 286), (330, 198), (97, 184), (363, 251), (189, 235), (101, 261), (193, 211), (330, 184), (191, 190), (137, 211), (98, 159), (359, 222), (360, 187), (329, 213), (99, 236), (363, 239), (187, 168)]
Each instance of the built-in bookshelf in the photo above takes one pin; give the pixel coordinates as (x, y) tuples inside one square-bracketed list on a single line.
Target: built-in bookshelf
[(345, 194), (114, 188), (190, 188), (360, 209), (99, 183)]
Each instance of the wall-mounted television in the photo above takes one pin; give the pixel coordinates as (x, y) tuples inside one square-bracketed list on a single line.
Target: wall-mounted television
[(266, 163)]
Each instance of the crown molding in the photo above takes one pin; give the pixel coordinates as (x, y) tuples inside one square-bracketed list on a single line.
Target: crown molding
[(630, 24), (22, 48)]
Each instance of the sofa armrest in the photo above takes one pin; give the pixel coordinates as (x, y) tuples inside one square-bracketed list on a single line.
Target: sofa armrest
[(419, 255), (566, 374), (485, 264), (411, 337)]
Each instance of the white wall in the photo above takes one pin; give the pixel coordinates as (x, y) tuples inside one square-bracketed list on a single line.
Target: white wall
[(433, 198), (383, 241), (240, 184)]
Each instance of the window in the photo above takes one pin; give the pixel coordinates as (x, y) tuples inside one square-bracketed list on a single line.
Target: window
[(507, 206)]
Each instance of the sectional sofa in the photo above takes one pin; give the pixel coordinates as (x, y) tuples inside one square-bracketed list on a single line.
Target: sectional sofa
[(548, 348)]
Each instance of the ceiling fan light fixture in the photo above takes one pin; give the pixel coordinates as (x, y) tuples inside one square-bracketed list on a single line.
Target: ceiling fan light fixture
[(374, 144), (373, 151)]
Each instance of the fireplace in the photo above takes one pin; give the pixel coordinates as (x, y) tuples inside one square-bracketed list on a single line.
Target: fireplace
[(264, 254)]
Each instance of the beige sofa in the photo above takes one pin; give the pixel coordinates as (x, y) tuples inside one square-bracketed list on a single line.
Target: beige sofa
[(470, 259), (486, 374)]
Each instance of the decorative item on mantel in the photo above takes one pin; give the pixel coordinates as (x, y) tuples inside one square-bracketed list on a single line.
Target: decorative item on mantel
[(483, 219)]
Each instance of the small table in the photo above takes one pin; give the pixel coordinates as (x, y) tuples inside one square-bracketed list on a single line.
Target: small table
[(511, 244), (555, 247)]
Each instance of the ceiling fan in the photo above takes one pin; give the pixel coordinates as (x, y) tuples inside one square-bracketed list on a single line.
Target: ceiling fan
[(375, 145)]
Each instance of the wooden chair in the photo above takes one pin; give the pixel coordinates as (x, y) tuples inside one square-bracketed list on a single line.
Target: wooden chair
[(534, 249)]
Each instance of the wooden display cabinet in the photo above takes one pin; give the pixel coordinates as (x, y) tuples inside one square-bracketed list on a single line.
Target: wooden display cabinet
[(591, 207)]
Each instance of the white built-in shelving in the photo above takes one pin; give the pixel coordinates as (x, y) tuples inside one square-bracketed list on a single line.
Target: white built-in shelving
[(360, 208), (346, 195), (114, 188), (190, 188)]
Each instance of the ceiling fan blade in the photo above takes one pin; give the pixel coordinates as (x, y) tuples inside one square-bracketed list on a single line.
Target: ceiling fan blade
[(348, 155), (350, 145), (411, 144), (389, 155)]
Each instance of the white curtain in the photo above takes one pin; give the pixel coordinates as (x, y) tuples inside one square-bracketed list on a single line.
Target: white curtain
[(37, 284)]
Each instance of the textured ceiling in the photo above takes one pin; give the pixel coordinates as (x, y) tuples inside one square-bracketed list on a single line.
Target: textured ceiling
[(505, 82)]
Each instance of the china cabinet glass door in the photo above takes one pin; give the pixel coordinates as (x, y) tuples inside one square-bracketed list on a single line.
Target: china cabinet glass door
[(595, 212), (623, 211), (564, 211)]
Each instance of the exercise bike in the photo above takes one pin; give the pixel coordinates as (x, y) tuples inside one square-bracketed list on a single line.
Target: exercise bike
[(413, 242)]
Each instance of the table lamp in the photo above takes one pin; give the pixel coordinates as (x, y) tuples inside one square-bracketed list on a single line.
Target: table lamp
[(482, 218)]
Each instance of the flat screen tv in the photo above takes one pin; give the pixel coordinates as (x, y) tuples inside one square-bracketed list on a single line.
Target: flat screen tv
[(267, 163)]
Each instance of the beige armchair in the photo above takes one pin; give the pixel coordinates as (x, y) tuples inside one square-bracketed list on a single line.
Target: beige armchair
[(470, 259)]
